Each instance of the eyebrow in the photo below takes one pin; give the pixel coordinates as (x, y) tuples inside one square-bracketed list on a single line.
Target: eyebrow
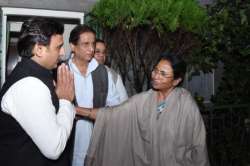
[(86, 42), (162, 70)]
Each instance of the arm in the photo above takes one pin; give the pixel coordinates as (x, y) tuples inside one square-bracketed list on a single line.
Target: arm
[(113, 97), (121, 89), (91, 113), (199, 148), (87, 112), (199, 153), (29, 102)]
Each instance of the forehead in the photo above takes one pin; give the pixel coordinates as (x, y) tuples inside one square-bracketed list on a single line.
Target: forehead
[(87, 37), (164, 65), (100, 45)]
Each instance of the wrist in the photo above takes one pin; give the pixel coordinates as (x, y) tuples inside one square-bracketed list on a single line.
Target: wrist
[(89, 113)]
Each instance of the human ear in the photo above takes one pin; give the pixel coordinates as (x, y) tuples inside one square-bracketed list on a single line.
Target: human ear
[(177, 81), (38, 50)]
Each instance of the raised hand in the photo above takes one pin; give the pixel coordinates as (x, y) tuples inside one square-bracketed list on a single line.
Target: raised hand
[(65, 88)]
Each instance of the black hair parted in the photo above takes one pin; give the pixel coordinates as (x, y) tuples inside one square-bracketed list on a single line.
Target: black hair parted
[(100, 41), (77, 31), (178, 64), (37, 31)]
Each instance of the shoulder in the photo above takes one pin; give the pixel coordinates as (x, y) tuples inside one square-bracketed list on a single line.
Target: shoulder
[(184, 96), (100, 72), (112, 71), (144, 95), (186, 100), (28, 84), (183, 93), (29, 81), (113, 74), (26, 89), (101, 67)]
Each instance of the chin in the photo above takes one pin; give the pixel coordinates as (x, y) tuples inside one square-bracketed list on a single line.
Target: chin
[(53, 67), (156, 89), (90, 56), (89, 59)]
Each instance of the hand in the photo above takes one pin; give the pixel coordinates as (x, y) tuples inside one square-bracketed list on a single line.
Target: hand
[(65, 88), (86, 112)]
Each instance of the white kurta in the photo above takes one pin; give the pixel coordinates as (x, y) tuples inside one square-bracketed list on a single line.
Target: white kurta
[(119, 86), (29, 102), (84, 97)]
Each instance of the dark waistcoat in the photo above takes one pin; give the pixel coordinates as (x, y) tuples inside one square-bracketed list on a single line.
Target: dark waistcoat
[(100, 85), (16, 147)]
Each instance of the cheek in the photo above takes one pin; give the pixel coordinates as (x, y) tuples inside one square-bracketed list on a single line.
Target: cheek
[(168, 84), (56, 54), (165, 83), (62, 51), (152, 76), (98, 55), (77, 50)]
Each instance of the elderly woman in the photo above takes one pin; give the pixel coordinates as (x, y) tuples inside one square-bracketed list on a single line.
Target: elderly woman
[(162, 126)]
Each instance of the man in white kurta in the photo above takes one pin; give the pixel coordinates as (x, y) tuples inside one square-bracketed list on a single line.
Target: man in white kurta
[(84, 98), (37, 115), (82, 64), (101, 56)]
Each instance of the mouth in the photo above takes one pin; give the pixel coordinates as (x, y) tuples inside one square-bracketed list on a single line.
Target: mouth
[(155, 81), (61, 58), (90, 55)]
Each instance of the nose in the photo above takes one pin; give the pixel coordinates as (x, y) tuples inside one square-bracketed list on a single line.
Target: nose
[(101, 54), (62, 53), (156, 74), (92, 48)]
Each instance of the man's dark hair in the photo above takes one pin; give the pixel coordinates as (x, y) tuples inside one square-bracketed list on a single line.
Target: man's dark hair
[(103, 42), (37, 31), (100, 41), (77, 31), (178, 64)]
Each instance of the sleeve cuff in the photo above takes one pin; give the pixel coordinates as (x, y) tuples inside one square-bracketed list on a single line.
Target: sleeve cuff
[(63, 103)]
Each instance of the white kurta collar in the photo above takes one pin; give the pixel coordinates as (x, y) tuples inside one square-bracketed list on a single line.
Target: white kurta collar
[(93, 64)]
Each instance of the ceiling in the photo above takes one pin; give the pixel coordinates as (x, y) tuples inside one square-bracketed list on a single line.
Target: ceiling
[(68, 5)]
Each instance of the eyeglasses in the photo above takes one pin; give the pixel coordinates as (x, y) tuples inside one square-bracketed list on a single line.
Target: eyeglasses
[(163, 74), (99, 52)]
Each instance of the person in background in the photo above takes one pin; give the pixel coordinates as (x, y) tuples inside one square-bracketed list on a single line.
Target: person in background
[(162, 126), (94, 86), (100, 56), (36, 114)]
